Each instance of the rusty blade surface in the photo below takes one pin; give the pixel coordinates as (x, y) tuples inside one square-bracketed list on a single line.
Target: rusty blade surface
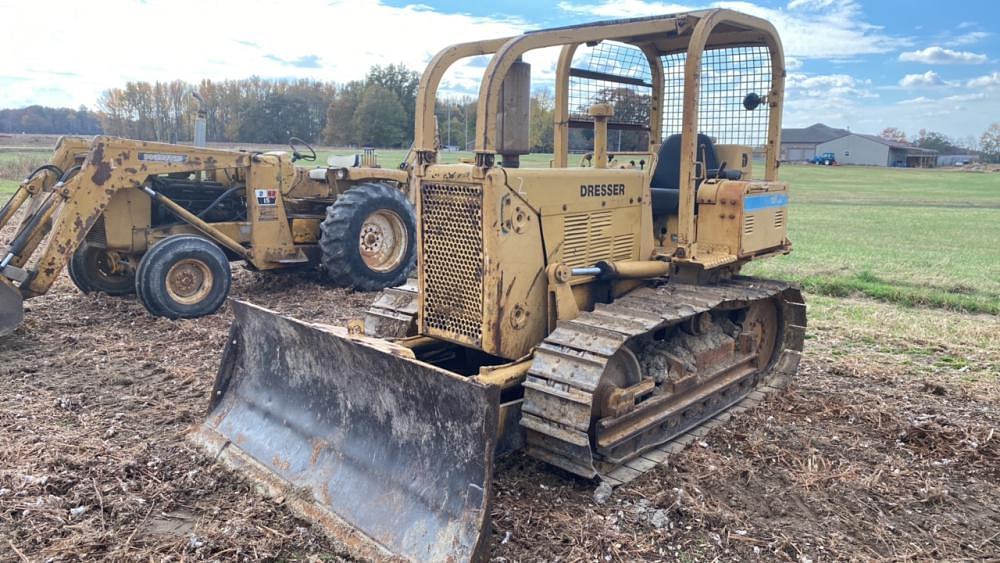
[(11, 308), (391, 456)]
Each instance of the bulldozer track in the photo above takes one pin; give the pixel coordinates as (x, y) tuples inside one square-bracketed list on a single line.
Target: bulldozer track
[(393, 314), (567, 366)]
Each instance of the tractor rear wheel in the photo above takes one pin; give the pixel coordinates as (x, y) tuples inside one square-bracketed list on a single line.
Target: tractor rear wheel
[(183, 276), (369, 237), (93, 268)]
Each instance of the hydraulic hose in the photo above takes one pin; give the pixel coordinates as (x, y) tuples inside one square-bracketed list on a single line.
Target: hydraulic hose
[(218, 200)]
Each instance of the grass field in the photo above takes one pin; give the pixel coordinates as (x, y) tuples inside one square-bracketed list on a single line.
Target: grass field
[(914, 237), (917, 237)]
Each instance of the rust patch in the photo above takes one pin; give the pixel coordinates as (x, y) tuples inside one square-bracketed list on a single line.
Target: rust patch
[(102, 169), (280, 463), (318, 446)]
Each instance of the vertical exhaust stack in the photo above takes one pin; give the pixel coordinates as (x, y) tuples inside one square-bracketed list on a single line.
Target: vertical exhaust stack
[(514, 121), (200, 122)]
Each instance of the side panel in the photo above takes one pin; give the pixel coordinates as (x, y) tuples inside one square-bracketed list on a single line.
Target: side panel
[(515, 284), (127, 213), (270, 234), (742, 219)]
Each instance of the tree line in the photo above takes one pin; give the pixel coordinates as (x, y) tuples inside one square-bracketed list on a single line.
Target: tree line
[(50, 121), (987, 145), (377, 110)]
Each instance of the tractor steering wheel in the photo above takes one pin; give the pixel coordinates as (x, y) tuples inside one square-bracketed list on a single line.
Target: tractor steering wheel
[(296, 155)]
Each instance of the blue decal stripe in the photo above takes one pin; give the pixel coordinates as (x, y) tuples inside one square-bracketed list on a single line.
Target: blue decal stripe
[(764, 201)]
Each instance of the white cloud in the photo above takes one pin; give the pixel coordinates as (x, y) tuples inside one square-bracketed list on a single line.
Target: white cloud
[(801, 85), (969, 38), (958, 98), (929, 78), (985, 81), (609, 9), (811, 4), (940, 55), (919, 101), (157, 40), (809, 29), (956, 116)]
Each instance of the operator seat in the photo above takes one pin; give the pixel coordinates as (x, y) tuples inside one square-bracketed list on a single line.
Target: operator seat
[(666, 182)]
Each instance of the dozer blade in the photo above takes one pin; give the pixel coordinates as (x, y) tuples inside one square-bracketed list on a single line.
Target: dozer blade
[(11, 307), (392, 456)]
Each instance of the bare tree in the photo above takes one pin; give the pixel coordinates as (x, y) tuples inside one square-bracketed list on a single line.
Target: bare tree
[(893, 134), (989, 143)]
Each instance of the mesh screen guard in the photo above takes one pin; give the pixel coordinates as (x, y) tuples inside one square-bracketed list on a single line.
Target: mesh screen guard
[(727, 75), (619, 74)]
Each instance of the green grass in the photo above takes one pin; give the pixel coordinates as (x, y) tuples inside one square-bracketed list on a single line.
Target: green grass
[(914, 237), (944, 345)]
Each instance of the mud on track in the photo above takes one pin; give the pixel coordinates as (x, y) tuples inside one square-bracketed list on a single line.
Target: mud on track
[(865, 457)]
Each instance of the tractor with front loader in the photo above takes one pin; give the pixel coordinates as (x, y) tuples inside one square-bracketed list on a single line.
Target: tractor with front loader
[(164, 221), (593, 317)]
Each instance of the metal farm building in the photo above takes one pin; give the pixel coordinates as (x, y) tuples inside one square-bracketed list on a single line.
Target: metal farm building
[(871, 150), (801, 145)]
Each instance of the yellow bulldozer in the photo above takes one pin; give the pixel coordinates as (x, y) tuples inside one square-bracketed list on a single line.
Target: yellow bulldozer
[(593, 317), (164, 221)]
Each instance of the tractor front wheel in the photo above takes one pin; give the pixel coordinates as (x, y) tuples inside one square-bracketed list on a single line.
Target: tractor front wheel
[(369, 237), (183, 276)]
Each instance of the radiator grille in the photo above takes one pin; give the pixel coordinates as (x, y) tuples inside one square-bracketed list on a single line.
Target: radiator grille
[(748, 224), (779, 219), (587, 240), (452, 229)]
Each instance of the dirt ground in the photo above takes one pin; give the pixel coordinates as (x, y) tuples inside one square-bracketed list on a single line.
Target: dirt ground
[(870, 455)]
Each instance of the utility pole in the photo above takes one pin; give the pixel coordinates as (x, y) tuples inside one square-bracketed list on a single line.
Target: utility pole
[(449, 124)]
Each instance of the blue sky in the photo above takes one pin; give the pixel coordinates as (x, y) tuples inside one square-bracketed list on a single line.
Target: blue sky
[(860, 64)]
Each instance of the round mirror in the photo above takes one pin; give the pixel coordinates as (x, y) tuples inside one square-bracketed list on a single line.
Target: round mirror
[(751, 101)]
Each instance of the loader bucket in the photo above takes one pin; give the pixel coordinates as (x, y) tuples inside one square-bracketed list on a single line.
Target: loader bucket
[(11, 307), (392, 456)]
